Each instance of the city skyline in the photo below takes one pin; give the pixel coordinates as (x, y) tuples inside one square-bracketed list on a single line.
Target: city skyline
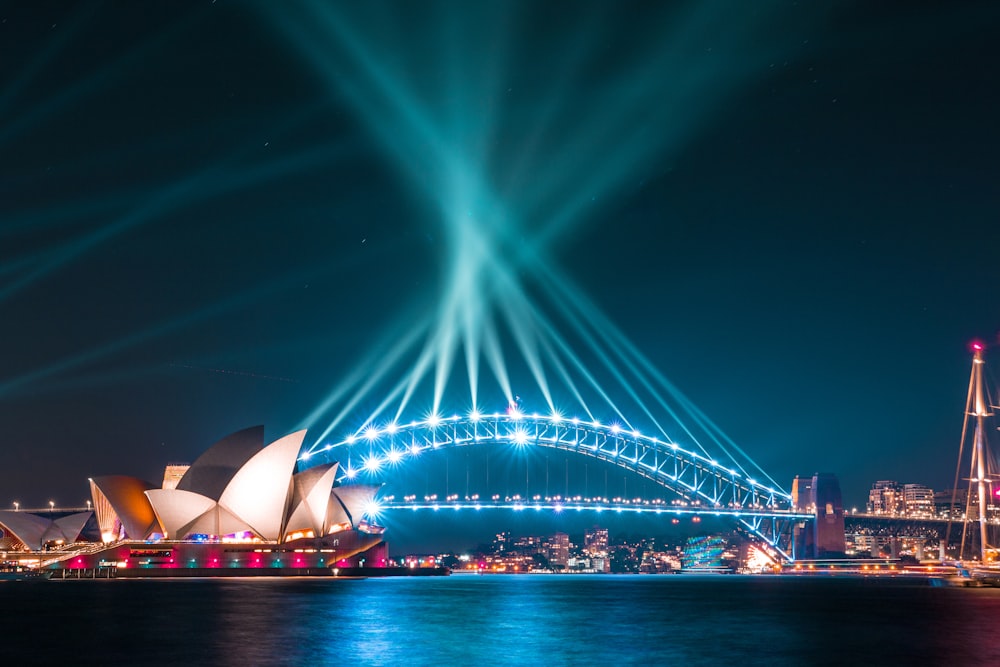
[(203, 233)]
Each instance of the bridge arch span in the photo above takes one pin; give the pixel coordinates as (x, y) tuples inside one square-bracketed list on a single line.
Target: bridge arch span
[(762, 510)]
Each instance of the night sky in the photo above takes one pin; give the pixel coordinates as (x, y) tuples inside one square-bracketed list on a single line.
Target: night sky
[(211, 211)]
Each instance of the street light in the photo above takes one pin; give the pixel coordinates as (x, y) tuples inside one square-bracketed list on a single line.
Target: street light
[(88, 505), (52, 506), (17, 506)]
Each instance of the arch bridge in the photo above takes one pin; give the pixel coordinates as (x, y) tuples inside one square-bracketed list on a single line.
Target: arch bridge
[(707, 486)]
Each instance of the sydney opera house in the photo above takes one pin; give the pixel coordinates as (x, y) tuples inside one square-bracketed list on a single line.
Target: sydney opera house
[(240, 509)]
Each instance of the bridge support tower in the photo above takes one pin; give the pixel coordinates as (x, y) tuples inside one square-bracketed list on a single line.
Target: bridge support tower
[(823, 537)]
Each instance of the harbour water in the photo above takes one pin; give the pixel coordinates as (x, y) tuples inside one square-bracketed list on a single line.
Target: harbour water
[(501, 620)]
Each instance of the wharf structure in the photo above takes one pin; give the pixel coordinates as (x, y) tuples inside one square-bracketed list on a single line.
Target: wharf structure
[(240, 509)]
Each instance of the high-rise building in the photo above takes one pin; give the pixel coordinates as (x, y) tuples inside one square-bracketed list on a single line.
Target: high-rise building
[(527, 545), (595, 541), (966, 503), (885, 497), (558, 551), (595, 545), (918, 500), (949, 504)]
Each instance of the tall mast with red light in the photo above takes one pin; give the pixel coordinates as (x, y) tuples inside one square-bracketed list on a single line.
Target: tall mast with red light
[(980, 469)]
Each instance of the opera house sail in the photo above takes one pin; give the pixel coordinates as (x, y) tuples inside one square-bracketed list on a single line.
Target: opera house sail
[(241, 508)]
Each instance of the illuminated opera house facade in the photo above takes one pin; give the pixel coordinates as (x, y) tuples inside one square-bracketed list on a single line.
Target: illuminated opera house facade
[(240, 508)]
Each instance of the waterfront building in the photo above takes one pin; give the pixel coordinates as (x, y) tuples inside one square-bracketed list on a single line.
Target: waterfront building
[(586, 564), (595, 545), (949, 504), (918, 500), (501, 542), (658, 562), (558, 549), (528, 545), (237, 488), (240, 506), (595, 541), (860, 543), (885, 497), (890, 498), (966, 503), (24, 530)]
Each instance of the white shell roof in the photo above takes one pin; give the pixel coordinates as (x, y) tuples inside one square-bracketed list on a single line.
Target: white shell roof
[(214, 521), (212, 471), (26, 526), (178, 510), (355, 497), (128, 499), (236, 486), (258, 493), (72, 525), (335, 513), (310, 499), (35, 530)]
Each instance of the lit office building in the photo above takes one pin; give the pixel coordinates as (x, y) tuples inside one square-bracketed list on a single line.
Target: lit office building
[(595, 545), (595, 541), (885, 497), (558, 549), (918, 500)]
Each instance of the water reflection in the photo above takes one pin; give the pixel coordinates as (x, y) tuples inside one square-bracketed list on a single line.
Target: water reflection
[(500, 620)]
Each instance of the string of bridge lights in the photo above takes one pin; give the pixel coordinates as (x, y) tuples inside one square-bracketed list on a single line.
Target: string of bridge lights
[(374, 461)]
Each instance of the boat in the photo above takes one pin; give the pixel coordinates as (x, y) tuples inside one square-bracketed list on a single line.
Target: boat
[(985, 575)]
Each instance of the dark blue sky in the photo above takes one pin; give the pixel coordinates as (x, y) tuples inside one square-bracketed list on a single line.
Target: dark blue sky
[(201, 229)]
